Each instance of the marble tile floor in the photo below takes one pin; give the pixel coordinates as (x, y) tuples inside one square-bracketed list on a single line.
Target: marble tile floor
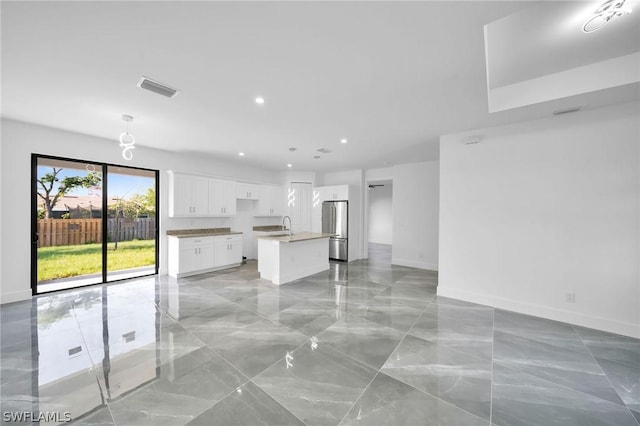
[(366, 343)]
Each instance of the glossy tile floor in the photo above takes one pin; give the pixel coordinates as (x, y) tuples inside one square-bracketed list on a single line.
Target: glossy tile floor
[(366, 343)]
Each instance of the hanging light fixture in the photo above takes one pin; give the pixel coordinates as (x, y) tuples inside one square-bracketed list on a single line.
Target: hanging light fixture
[(127, 141), (605, 13)]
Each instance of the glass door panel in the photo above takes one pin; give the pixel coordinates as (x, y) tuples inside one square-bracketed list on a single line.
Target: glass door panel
[(131, 222), (68, 224)]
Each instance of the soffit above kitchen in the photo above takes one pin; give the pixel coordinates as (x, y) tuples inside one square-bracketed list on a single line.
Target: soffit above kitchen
[(389, 77)]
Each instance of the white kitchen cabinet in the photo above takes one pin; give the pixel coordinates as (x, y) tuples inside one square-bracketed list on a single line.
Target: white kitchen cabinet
[(190, 255), (188, 195), (228, 250), (336, 192), (247, 191), (271, 201), (321, 194), (222, 197)]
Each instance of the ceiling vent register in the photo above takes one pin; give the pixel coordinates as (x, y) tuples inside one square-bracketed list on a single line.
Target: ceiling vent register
[(324, 150), (157, 87)]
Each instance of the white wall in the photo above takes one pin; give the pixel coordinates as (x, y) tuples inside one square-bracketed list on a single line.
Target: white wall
[(415, 215), (355, 180), (540, 209), (381, 214), (19, 140)]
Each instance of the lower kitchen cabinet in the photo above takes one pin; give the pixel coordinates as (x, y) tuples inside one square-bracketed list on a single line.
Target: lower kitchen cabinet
[(196, 255), (228, 250)]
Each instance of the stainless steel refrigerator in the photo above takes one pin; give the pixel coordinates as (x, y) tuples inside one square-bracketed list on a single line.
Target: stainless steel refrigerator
[(335, 220)]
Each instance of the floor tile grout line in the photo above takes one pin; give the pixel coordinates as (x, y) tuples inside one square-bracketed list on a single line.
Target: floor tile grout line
[(514, 332), (436, 397), (355, 402), (93, 367), (420, 390), (605, 373), (379, 369), (278, 402), (565, 387)]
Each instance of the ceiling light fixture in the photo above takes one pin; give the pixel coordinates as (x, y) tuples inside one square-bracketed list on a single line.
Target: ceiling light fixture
[(241, 154), (343, 141), (259, 100), (605, 13), (289, 165), (127, 141)]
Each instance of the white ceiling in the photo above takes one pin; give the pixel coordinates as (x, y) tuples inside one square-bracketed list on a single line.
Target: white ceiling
[(547, 38), (389, 77)]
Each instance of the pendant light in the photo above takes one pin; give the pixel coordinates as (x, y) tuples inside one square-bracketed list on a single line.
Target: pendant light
[(127, 141)]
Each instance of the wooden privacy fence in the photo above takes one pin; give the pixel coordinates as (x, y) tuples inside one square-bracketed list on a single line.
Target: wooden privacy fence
[(63, 232)]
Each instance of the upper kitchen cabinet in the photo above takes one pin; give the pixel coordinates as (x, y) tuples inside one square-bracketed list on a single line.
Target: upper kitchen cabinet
[(247, 191), (188, 195), (222, 197), (321, 194), (336, 192), (270, 201)]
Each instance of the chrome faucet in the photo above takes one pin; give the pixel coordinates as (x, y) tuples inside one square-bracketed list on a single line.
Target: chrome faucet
[(284, 226)]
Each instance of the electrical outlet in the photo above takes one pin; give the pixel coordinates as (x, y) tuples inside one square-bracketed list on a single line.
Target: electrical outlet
[(571, 297)]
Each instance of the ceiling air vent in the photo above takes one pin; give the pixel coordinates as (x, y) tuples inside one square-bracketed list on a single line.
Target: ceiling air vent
[(156, 87), (324, 150)]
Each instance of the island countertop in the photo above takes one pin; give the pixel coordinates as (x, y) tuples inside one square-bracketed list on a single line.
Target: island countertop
[(207, 232), (295, 237)]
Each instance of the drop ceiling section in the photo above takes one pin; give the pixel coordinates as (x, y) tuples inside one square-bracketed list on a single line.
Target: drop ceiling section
[(541, 54)]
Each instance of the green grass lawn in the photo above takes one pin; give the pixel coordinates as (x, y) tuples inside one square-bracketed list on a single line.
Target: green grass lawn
[(71, 261)]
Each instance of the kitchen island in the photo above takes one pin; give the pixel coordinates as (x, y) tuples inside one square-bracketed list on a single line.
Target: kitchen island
[(286, 258)]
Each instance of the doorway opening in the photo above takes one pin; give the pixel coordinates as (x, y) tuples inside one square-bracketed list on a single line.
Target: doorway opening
[(380, 227), (92, 223)]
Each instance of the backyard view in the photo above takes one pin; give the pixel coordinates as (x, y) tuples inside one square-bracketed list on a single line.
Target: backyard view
[(83, 259), (71, 217)]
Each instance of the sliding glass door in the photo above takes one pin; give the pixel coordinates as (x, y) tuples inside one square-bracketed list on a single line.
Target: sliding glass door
[(91, 223), (131, 222)]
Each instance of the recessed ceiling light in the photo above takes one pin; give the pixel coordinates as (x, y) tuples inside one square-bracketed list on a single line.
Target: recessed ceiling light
[(343, 141), (289, 165), (259, 100), (241, 154)]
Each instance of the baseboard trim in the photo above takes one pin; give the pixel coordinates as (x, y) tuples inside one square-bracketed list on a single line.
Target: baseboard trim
[(414, 264), (598, 323), (16, 296), (204, 271)]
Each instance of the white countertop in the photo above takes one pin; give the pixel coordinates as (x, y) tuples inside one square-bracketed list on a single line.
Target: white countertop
[(295, 237)]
